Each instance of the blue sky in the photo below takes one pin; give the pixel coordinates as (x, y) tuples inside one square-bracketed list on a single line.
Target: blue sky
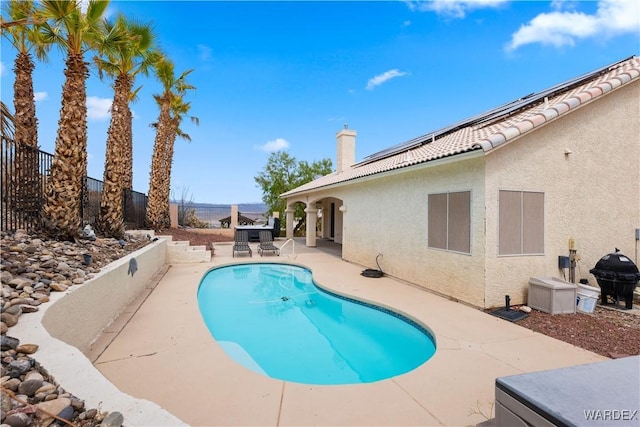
[(288, 75)]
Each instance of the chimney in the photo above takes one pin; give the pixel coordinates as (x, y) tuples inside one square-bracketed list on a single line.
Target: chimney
[(346, 152)]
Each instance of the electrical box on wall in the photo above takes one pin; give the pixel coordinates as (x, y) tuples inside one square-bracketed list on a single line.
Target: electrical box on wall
[(563, 262), (637, 233)]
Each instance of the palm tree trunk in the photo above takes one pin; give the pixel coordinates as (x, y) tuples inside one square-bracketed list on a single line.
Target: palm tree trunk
[(25, 121), (155, 203), (166, 184), (127, 162), (61, 214), (111, 222), (26, 136)]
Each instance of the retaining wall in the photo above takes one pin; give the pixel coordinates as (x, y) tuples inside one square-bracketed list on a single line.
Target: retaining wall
[(66, 327), (86, 310)]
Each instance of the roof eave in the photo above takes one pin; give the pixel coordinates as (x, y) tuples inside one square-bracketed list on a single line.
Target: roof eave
[(473, 152)]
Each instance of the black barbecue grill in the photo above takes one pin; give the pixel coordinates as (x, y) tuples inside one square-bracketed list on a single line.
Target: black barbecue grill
[(618, 277)]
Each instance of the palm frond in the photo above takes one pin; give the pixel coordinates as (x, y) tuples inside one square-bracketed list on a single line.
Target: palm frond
[(8, 127)]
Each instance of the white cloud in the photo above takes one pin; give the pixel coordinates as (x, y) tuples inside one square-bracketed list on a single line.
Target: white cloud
[(98, 108), (2, 69), (384, 77), (204, 52), (40, 96), (275, 145), (452, 8), (563, 28), (619, 16), (562, 4)]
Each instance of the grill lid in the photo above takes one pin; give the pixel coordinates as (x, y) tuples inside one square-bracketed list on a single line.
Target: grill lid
[(616, 266)]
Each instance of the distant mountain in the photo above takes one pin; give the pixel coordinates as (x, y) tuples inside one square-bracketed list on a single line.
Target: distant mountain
[(214, 212), (251, 205), (248, 207)]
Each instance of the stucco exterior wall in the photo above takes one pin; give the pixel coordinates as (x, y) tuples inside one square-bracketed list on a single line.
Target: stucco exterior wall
[(388, 215), (586, 163), (591, 195)]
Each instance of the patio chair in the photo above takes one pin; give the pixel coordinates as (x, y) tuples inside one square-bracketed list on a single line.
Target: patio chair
[(241, 243), (266, 243)]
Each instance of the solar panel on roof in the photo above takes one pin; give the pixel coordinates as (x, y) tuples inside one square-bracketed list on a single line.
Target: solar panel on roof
[(489, 116)]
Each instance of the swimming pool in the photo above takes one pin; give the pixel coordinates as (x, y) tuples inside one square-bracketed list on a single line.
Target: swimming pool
[(273, 319)]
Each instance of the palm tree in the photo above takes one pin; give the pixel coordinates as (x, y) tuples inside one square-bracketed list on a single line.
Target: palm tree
[(75, 31), (26, 38), (22, 21), (179, 110), (158, 203), (124, 63), (127, 161)]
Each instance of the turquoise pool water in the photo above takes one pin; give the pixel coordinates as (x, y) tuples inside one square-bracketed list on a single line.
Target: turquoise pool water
[(273, 319)]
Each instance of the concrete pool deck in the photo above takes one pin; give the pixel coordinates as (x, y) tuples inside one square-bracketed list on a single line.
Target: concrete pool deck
[(163, 352)]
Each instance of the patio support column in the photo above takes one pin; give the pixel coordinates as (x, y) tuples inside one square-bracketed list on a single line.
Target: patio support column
[(289, 217), (312, 218), (234, 217), (341, 230)]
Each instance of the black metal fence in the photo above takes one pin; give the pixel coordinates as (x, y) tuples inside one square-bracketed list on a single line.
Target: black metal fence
[(135, 209), (25, 171)]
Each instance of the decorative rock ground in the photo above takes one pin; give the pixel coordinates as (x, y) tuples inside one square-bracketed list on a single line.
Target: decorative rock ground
[(31, 269)]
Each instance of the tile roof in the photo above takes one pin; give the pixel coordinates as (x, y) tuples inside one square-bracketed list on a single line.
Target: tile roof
[(490, 129)]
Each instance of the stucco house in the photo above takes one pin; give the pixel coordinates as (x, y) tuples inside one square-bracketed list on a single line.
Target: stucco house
[(472, 211)]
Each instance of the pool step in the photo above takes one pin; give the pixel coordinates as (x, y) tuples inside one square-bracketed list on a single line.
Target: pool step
[(180, 252)]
